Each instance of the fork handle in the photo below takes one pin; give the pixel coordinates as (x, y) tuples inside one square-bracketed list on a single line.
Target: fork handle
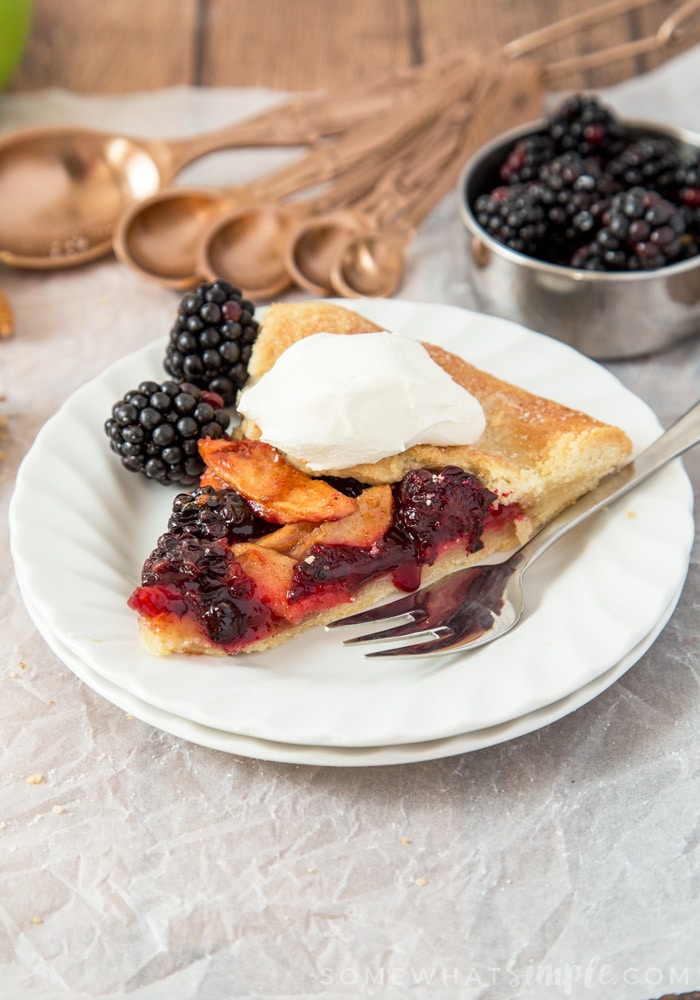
[(682, 435)]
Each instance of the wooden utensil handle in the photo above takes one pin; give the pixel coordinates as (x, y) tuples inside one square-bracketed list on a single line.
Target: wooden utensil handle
[(306, 120)]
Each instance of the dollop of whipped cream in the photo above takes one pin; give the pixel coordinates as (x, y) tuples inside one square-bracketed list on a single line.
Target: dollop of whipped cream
[(333, 401)]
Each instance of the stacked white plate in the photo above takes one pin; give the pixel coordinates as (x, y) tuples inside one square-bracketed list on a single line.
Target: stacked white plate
[(81, 527)]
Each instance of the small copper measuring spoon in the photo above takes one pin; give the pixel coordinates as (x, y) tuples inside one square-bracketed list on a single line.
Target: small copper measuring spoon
[(371, 263), (316, 245), (246, 246)]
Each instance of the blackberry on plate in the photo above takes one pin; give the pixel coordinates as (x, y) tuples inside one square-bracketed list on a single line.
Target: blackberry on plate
[(212, 338), (155, 428), (211, 514)]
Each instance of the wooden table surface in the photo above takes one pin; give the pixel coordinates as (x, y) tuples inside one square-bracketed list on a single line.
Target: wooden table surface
[(118, 46)]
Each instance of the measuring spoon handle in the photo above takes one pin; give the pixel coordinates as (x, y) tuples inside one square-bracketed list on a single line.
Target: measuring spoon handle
[(306, 120)]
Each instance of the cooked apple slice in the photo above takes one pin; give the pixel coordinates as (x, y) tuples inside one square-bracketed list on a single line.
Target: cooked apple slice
[(271, 572), (361, 529), (276, 490), (291, 539), (367, 525)]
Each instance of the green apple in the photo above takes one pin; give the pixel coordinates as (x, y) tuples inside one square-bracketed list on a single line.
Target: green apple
[(15, 16)]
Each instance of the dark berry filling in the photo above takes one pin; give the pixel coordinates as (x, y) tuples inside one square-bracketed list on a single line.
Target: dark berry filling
[(211, 514), (186, 576), (434, 507), (192, 572)]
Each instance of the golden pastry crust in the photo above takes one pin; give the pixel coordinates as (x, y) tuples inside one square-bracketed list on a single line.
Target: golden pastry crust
[(285, 323), (534, 451)]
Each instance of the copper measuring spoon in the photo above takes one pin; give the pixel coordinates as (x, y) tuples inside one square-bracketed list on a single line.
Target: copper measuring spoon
[(346, 248), (315, 246), (371, 262), (247, 246), (160, 236), (62, 188)]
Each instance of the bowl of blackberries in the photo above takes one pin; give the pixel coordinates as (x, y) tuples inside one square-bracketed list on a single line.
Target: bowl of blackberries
[(586, 227)]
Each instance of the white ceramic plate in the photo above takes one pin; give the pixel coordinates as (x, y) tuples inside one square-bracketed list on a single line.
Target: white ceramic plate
[(297, 753), (81, 527)]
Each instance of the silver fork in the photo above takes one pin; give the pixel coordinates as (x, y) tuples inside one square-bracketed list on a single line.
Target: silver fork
[(474, 606)]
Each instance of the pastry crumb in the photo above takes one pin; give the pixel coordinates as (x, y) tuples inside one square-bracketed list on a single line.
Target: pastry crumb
[(37, 920), (22, 665), (35, 779), (57, 809), (421, 881), (405, 840)]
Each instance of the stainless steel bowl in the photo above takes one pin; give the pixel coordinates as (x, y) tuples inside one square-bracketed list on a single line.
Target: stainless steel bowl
[(604, 315)]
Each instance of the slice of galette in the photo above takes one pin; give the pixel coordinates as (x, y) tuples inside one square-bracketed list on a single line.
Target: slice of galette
[(364, 464)]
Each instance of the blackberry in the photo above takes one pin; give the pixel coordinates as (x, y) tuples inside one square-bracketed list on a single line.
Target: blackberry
[(583, 125), (209, 585), (574, 192), (211, 514), (524, 161), (514, 217), (155, 428), (648, 162), (588, 192), (641, 231), (687, 182), (211, 340), (188, 562), (198, 578)]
